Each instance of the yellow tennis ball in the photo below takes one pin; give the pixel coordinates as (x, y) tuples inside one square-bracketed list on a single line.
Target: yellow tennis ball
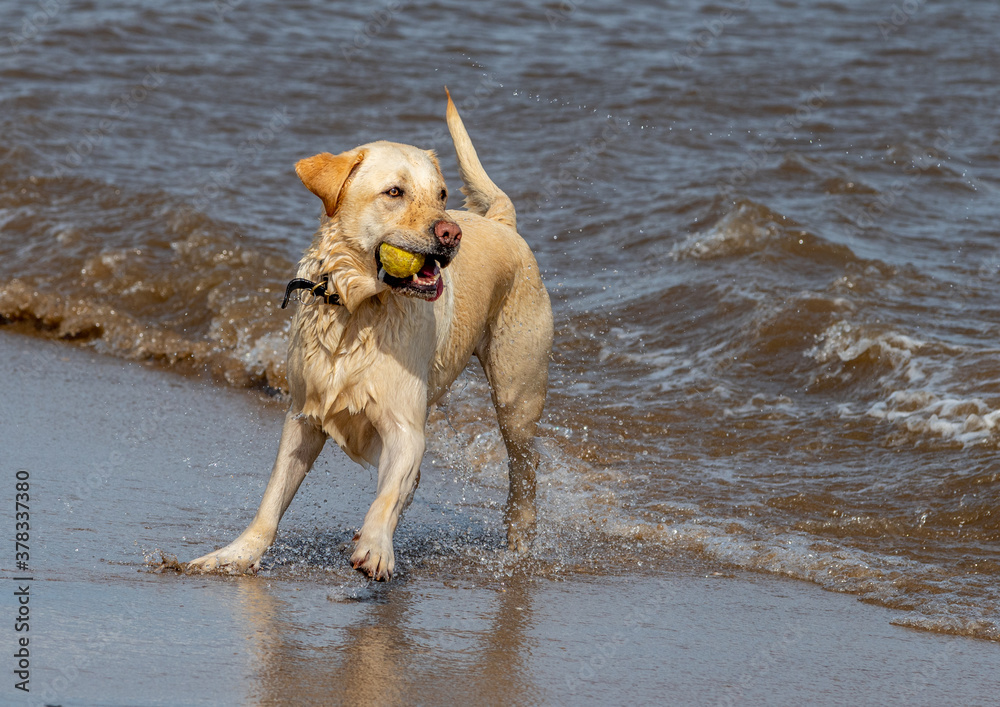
[(398, 262)]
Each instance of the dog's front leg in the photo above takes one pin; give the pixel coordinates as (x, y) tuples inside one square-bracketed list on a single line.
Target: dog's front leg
[(301, 442), (398, 476)]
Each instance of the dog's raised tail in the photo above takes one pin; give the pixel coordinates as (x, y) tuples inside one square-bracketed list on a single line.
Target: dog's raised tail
[(482, 196)]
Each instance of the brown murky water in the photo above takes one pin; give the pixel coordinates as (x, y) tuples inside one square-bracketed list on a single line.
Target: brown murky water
[(769, 231)]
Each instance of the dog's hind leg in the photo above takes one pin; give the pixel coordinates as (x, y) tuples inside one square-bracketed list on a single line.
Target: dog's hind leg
[(301, 442), (515, 358)]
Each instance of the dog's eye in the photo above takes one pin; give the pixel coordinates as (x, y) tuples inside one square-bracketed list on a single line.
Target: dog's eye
[(444, 195), (394, 192)]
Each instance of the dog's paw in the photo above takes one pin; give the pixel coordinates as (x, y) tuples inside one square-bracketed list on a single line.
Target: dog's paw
[(520, 527), (236, 558), (373, 555)]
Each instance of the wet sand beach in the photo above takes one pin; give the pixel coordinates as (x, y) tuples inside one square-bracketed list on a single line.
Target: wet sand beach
[(126, 461)]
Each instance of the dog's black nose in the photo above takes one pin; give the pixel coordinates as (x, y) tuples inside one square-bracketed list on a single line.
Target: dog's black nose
[(448, 233)]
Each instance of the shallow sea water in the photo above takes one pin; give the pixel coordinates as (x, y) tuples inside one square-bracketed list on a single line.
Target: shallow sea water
[(146, 461)]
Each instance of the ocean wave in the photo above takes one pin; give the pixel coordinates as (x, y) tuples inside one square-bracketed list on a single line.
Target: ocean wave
[(847, 349), (143, 277), (845, 342), (749, 228), (920, 414), (913, 379), (932, 595), (948, 622)]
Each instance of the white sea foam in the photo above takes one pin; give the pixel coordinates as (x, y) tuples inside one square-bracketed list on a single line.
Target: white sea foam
[(847, 342), (968, 421), (917, 380)]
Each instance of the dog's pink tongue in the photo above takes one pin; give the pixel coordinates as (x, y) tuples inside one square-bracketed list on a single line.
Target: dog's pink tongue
[(428, 270)]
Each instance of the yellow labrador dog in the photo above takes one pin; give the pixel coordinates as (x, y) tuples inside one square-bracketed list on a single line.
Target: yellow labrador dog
[(369, 354)]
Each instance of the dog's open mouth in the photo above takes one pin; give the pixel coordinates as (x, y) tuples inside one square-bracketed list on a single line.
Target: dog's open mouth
[(425, 284)]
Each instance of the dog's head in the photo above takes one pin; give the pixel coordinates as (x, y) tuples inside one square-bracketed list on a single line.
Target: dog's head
[(383, 193)]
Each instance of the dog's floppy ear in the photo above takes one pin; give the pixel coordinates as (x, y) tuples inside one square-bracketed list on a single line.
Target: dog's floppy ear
[(325, 175)]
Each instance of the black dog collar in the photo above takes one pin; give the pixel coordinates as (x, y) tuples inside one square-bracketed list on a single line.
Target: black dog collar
[(318, 289)]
